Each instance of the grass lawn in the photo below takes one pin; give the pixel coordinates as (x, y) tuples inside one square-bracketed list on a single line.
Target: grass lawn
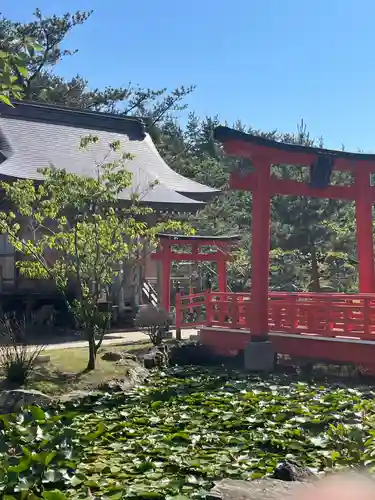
[(65, 370)]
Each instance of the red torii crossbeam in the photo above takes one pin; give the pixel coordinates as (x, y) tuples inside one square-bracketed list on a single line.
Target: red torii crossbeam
[(166, 255), (264, 153)]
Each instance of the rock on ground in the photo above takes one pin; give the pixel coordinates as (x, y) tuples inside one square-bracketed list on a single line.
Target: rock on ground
[(133, 374), (112, 356), (158, 356), (262, 489), (127, 356), (289, 470), (74, 396), (118, 356), (39, 360), (13, 400)]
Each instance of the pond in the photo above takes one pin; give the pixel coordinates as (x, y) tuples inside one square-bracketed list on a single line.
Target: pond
[(186, 428)]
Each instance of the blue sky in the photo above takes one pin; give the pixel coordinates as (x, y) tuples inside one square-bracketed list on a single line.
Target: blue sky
[(268, 62)]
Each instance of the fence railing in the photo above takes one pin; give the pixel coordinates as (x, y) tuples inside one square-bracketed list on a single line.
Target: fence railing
[(325, 314)]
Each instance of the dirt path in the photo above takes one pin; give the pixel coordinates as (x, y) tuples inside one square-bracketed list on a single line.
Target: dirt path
[(115, 338)]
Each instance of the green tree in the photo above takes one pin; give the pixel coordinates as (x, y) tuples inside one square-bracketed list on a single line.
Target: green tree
[(15, 54), (80, 232), (311, 236)]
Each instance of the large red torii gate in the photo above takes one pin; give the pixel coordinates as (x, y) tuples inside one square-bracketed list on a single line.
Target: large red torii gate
[(166, 255), (264, 153)]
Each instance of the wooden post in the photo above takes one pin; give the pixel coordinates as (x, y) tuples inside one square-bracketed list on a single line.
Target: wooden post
[(365, 243), (222, 274), (260, 249), (166, 276), (159, 284), (178, 315), (209, 308), (234, 311)]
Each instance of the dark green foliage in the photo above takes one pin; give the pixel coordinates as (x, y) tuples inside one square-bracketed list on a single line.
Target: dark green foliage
[(185, 429)]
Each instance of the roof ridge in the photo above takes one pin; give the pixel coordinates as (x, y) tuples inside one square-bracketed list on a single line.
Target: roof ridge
[(64, 107), (77, 117)]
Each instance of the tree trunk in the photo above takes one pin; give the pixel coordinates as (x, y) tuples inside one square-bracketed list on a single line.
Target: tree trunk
[(92, 353)]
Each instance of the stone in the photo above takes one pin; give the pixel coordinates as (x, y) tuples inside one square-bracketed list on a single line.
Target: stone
[(112, 356), (149, 361), (134, 374), (291, 471), (259, 357), (41, 360), (260, 489), (158, 356), (74, 396), (115, 385), (13, 400), (131, 357)]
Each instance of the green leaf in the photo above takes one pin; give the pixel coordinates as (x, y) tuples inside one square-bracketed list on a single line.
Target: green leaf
[(5, 420), (149, 494), (94, 435), (37, 413), (49, 457), (177, 497), (5, 99), (75, 481), (51, 476), (156, 404), (54, 495), (23, 71), (23, 465), (115, 496)]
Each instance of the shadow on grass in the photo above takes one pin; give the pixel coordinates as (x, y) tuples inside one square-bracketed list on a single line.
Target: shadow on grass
[(66, 339), (43, 377), (54, 381)]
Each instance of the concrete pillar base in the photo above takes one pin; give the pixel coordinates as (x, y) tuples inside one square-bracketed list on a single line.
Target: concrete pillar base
[(259, 357)]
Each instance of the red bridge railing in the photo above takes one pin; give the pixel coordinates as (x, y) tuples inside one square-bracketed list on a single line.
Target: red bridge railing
[(324, 314)]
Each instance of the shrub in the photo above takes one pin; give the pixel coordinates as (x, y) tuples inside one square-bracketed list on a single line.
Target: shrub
[(17, 358), (153, 321)]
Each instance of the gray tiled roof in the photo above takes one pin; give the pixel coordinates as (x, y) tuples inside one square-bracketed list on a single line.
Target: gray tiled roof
[(34, 136)]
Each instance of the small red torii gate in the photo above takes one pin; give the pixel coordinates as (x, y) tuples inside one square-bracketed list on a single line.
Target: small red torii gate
[(165, 255)]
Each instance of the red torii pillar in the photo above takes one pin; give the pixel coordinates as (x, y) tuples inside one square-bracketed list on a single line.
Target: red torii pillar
[(263, 153), (260, 249), (165, 255), (364, 195)]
